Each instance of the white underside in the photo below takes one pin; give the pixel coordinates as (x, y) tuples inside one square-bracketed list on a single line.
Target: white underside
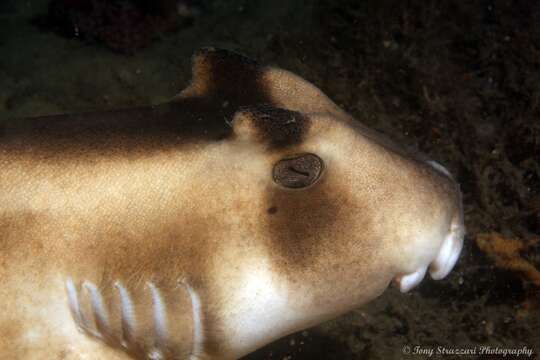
[(260, 310)]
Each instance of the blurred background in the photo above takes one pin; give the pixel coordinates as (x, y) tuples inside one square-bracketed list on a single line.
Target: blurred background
[(459, 81)]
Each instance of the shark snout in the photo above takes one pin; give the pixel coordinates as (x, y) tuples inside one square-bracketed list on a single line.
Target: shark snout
[(444, 261)]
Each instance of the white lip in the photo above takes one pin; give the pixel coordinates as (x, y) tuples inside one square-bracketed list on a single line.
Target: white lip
[(407, 282), (447, 257), (442, 265)]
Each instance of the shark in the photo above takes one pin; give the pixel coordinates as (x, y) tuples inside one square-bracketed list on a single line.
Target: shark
[(248, 207)]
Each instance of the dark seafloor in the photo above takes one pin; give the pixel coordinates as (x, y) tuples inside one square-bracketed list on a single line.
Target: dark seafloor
[(457, 80)]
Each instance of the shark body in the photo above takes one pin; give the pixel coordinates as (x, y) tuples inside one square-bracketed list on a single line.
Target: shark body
[(247, 208)]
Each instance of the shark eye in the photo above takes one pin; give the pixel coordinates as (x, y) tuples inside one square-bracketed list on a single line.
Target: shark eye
[(298, 171)]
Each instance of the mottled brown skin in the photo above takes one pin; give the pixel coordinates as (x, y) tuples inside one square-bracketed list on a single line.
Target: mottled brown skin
[(182, 195)]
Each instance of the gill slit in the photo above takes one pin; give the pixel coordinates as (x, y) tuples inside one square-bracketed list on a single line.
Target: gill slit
[(98, 309), (159, 313), (127, 318), (197, 345), (73, 302)]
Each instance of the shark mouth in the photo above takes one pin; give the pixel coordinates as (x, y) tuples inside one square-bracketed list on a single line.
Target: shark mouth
[(443, 263)]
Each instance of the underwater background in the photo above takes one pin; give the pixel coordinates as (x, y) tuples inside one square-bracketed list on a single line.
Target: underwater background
[(459, 81)]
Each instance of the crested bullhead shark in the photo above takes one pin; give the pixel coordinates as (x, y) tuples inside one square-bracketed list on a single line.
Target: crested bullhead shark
[(247, 208)]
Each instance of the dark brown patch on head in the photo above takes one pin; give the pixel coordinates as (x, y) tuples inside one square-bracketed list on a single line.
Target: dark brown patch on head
[(275, 126), (298, 171), (307, 221)]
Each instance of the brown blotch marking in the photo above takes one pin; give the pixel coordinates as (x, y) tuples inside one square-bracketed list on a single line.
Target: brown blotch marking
[(129, 132), (308, 219), (11, 330), (12, 223), (20, 228), (118, 253), (181, 242), (277, 127), (225, 74)]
